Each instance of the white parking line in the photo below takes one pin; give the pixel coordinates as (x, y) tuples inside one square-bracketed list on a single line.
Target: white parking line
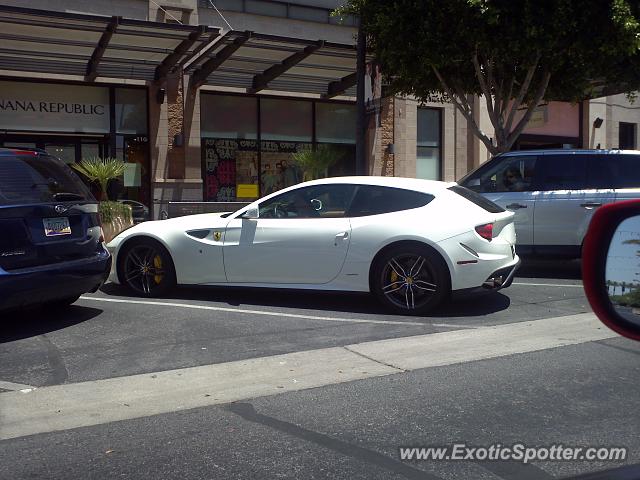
[(258, 312), (549, 284)]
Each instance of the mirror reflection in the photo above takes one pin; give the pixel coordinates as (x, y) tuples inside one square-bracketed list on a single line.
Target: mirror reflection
[(623, 270)]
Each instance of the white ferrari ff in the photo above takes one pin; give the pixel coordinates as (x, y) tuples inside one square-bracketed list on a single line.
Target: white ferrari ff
[(410, 242)]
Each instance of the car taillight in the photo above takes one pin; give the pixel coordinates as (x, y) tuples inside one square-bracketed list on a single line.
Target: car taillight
[(485, 231)]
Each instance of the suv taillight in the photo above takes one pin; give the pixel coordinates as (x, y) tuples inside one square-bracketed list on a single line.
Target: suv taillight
[(485, 231)]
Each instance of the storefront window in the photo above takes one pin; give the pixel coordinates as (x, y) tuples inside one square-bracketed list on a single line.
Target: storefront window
[(286, 120), (229, 126), (64, 151), (236, 167), (278, 169), (336, 123), (231, 169), (345, 160), (227, 116), (131, 111), (134, 183), (428, 155)]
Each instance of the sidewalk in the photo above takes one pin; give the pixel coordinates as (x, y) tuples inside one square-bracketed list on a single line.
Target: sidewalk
[(61, 407)]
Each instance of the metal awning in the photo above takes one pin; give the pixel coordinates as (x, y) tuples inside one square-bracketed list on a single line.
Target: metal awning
[(256, 62), (94, 46)]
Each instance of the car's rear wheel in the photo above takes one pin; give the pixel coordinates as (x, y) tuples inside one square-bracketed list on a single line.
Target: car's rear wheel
[(410, 279), (146, 268)]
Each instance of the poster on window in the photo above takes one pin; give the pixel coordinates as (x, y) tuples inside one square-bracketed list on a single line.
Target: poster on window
[(227, 164)]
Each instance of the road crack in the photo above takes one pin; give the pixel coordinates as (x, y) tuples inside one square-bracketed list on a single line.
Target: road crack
[(375, 360)]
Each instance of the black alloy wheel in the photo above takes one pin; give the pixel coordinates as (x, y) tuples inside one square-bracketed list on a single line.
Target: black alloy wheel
[(410, 279), (147, 268)]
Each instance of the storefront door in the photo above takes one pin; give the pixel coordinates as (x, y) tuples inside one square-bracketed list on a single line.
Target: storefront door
[(69, 149)]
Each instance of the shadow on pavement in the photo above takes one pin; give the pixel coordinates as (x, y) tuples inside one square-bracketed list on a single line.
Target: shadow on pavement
[(20, 324), (550, 268), (348, 302)]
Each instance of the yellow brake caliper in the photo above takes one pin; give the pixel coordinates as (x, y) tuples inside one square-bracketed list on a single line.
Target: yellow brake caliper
[(394, 277), (157, 262)]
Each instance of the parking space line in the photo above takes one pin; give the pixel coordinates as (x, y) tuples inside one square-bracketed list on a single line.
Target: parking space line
[(14, 386), (256, 312), (548, 284)]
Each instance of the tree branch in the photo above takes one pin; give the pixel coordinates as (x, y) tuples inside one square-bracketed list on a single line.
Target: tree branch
[(542, 88), (521, 94), (466, 111), (508, 93), (485, 90), (497, 98)]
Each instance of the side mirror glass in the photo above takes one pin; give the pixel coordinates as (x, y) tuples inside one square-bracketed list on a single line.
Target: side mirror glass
[(251, 212), (622, 274), (611, 266)]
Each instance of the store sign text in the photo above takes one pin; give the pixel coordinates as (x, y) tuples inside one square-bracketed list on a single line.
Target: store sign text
[(51, 107)]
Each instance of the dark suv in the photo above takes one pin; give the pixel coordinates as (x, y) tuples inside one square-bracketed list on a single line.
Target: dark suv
[(51, 243)]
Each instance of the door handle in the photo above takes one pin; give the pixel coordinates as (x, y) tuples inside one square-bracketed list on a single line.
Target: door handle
[(515, 206), (591, 205), (341, 236)]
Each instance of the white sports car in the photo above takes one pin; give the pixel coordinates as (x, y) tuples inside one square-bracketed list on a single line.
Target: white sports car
[(410, 242)]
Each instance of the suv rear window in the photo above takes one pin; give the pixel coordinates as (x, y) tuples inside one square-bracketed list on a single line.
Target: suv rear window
[(477, 199), (28, 179)]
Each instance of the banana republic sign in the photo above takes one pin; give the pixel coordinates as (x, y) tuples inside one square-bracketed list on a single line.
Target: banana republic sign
[(53, 108)]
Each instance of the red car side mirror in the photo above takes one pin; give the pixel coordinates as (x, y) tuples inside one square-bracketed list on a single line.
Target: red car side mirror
[(611, 266)]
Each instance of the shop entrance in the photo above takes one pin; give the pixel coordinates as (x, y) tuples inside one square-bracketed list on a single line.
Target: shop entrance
[(70, 149)]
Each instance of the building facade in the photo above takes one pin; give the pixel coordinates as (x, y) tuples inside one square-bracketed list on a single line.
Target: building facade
[(210, 100)]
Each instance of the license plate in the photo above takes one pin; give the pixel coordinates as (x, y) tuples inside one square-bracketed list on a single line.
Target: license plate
[(56, 226)]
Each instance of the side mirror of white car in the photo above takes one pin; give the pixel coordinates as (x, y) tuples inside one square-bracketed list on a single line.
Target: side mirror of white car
[(251, 212)]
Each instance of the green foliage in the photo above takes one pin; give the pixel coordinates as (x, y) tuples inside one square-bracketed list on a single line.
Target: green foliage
[(583, 48), (631, 299), (315, 163), (109, 210), (101, 170)]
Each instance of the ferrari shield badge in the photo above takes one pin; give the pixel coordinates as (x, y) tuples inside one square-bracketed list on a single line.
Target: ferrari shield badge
[(216, 236)]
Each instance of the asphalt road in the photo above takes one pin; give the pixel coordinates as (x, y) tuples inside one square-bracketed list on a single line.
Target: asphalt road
[(109, 334), (575, 392), (584, 395)]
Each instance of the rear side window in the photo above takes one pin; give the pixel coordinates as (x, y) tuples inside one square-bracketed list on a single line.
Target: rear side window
[(27, 179), (561, 172), (477, 199), (601, 171), (374, 200), (625, 170)]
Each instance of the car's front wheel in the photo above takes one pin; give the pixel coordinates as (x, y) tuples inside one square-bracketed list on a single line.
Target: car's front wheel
[(145, 266), (410, 279)]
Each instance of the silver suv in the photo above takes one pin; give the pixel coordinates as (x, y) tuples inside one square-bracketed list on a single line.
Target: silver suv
[(555, 192)]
